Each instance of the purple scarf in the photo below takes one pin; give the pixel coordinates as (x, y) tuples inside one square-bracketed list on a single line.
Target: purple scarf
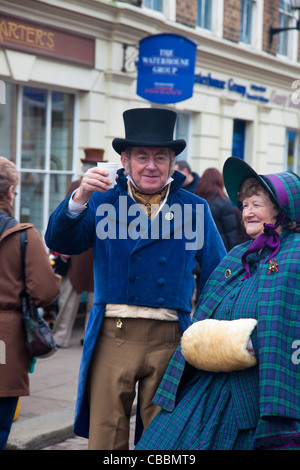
[(269, 238)]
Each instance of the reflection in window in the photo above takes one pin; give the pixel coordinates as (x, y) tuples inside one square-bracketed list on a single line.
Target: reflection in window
[(284, 21), (154, 4), (59, 184), (246, 21), (47, 153), (34, 128), (204, 8), (32, 199), (8, 122), (61, 131)]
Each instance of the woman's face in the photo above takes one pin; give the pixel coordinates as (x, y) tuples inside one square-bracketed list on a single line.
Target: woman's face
[(257, 211)]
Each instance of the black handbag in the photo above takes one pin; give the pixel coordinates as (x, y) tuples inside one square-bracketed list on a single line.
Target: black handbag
[(39, 340)]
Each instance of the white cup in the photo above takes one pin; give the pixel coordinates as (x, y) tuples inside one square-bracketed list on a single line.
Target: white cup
[(111, 168)]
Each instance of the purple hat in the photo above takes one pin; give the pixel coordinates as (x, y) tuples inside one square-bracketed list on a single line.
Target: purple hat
[(283, 188)]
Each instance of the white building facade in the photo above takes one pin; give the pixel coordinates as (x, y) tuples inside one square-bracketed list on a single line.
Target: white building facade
[(68, 71)]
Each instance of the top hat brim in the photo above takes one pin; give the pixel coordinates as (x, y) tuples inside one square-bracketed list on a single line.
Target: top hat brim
[(235, 172), (120, 145)]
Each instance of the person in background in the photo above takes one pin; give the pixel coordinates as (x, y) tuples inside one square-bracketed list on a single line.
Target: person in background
[(79, 277), (191, 177), (211, 188), (233, 384), (41, 283), (143, 272)]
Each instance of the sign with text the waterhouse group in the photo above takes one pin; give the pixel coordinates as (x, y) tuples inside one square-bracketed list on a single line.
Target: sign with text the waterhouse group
[(166, 68)]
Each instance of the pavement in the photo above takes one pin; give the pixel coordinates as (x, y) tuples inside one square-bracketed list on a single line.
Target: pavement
[(45, 418)]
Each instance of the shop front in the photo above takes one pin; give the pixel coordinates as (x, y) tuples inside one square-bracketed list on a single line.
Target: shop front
[(38, 111)]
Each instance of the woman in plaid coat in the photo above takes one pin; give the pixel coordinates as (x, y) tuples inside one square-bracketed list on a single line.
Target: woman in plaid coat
[(234, 381)]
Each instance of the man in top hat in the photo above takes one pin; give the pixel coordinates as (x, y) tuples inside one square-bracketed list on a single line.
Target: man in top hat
[(147, 235), (79, 276)]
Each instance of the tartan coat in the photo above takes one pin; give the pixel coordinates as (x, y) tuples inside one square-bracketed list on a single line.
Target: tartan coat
[(135, 270), (270, 389)]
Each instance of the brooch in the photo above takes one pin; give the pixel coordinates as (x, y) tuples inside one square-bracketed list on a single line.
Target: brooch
[(272, 266), (169, 216), (227, 273)]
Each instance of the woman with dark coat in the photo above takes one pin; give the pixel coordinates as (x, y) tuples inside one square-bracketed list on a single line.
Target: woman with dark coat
[(211, 188), (41, 283)]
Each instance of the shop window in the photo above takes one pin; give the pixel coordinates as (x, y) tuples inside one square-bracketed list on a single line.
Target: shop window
[(247, 11), (8, 123), (46, 159), (238, 138), (204, 17), (37, 133), (292, 151)]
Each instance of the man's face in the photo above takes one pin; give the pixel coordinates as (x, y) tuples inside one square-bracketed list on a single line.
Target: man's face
[(149, 167)]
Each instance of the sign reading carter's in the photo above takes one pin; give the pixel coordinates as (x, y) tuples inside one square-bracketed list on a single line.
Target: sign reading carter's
[(40, 39), (166, 68)]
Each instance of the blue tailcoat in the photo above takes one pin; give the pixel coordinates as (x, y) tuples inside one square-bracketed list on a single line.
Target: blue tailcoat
[(136, 261)]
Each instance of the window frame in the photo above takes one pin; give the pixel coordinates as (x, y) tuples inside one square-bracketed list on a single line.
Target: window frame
[(46, 170), (287, 41), (151, 5), (204, 4)]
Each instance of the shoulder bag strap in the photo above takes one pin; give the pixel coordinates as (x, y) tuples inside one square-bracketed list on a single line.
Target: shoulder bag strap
[(23, 251)]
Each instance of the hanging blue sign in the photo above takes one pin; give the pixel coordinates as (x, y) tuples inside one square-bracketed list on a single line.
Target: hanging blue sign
[(166, 68)]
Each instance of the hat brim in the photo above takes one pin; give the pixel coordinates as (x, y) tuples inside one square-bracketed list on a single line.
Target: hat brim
[(235, 172), (120, 145)]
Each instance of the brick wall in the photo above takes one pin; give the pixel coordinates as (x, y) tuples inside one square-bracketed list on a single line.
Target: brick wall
[(186, 12), (232, 20), (270, 20)]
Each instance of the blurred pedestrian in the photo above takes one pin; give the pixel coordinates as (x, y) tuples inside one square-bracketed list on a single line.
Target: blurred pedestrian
[(142, 270), (191, 177), (211, 188), (41, 283)]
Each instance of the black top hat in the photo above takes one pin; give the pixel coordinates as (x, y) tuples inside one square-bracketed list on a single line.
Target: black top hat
[(149, 127)]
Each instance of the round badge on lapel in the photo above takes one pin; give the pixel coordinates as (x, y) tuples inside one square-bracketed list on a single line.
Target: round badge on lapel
[(227, 273), (169, 216)]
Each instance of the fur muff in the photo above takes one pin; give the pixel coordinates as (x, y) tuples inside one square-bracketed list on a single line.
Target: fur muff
[(219, 345)]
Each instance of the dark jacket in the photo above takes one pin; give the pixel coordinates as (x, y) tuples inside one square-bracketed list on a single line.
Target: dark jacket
[(191, 187), (225, 219)]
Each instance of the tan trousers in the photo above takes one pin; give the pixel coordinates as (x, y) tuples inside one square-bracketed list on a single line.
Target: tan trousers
[(135, 350)]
